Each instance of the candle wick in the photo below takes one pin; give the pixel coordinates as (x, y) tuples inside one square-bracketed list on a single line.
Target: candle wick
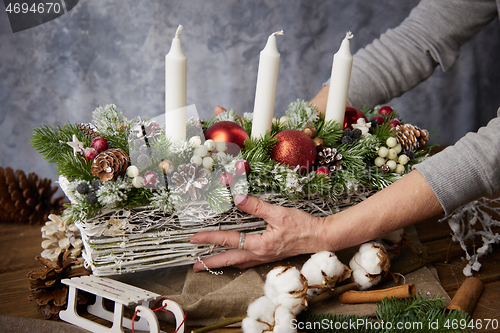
[(280, 33), (349, 35), (178, 31)]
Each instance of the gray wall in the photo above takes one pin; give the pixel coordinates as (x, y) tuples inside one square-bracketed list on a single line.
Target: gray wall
[(113, 52)]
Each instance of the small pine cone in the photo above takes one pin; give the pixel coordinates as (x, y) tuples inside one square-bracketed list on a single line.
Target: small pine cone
[(46, 286), (411, 137), (330, 158), (89, 130), (110, 164), (27, 199), (190, 181)]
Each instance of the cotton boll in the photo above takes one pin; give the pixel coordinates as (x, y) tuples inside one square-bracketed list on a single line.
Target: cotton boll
[(289, 280), (370, 262), (294, 303), (250, 325), (323, 269), (283, 321), (394, 237), (269, 286), (262, 309)]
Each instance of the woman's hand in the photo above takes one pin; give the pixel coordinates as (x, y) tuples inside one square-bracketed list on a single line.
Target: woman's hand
[(289, 232)]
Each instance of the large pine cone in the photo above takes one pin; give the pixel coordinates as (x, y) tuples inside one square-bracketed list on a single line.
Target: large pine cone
[(46, 286), (190, 181), (27, 199), (411, 137), (110, 164)]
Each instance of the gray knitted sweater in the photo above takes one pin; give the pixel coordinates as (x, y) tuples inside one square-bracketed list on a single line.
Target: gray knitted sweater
[(403, 57)]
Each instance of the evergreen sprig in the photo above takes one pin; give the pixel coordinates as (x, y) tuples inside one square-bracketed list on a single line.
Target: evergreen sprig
[(416, 314)]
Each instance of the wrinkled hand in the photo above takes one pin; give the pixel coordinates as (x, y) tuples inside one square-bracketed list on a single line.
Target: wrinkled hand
[(289, 232)]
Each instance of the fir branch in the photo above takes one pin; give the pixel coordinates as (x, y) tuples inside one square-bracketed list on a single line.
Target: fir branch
[(113, 126), (330, 131), (301, 114), (258, 150), (219, 199), (383, 132)]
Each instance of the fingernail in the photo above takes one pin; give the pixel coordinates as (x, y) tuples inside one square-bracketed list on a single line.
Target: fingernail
[(193, 241), (240, 199)]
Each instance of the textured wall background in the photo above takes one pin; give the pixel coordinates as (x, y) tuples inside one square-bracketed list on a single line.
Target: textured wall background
[(112, 51)]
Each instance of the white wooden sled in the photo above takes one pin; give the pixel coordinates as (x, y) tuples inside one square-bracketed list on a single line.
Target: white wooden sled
[(122, 295)]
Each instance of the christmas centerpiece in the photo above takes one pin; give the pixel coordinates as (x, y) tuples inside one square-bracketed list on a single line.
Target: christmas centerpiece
[(138, 196)]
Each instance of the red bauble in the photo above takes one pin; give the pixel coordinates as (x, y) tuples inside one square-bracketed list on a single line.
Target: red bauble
[(394, 122), (351, 116), (90, 153), (379, 119), (227, 131), (294, 148), (100, 144), (242, 168), (323, 170), (227, 179), (385, 110)]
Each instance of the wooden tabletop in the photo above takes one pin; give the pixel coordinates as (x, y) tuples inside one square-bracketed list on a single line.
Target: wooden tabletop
[(19, 244)]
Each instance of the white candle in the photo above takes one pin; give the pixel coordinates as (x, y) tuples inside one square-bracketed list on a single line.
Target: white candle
[(339, 82), (265, 92), (175, 90)]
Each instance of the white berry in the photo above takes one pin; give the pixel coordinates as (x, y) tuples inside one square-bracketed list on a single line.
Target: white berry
[(383, 152), (391, 142), (195, 141), (391, 164), (284, 120), (201, 151), (208, 162), (379, 161), (398, 148), (220, 146), (392, 155), (138, 182), (400, 169), (403, 159), (196, 159), (132, 171), (210, 144)]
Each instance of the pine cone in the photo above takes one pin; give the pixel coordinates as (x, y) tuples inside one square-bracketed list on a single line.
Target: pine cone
[(89, 130), (190, 181), (110, 164), (27, 199), (330, 158), (411, 137), (46, 287)]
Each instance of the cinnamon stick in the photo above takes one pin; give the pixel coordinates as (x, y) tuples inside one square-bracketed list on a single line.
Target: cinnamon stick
[(467, 295), (372, 296)]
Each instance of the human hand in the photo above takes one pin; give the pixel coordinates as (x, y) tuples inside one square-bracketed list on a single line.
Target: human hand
[(289, 232)]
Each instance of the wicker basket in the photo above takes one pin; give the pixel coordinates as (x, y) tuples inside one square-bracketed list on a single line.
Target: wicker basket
[(126, 241)]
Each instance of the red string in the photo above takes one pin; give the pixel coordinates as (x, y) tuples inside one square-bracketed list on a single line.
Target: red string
[(158, 308)]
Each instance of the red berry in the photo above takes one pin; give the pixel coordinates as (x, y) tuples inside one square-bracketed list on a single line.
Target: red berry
[(379, 119), (323, 170), (385, 110), (242, 167), (227, 179), (394, 122), (100, 144), (150, 178), (90, 153)]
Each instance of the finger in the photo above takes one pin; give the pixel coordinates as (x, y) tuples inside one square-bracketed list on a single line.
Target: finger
[(228, 258), (227, 239), (260, 208), (219, 109)]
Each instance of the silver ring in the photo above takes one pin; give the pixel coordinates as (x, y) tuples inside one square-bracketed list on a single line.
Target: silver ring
[(241, 243)]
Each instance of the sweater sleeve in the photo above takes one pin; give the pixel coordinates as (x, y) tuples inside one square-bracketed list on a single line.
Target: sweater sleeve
[(468, 170), (407, 55)]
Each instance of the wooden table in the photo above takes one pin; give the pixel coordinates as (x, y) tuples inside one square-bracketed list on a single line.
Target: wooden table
[(19, 244)]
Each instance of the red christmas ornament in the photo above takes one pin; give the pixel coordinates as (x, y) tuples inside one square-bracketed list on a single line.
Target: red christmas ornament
[(394, 123), (351, 116), (385, 111), (227, 131), (242, 168), (100, 144), (227, 179), (90, 153), (379, 119), (294, 148), (323, 170)]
